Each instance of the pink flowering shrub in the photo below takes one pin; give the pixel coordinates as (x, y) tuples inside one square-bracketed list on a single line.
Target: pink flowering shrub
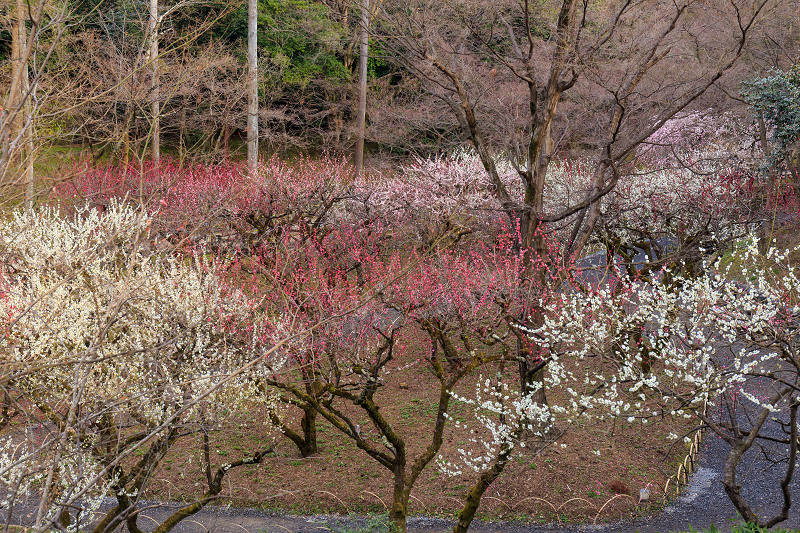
[(703, 141)]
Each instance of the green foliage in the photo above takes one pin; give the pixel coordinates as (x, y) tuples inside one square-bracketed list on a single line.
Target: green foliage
[(118, 19), (753, 528), (361, 524), (777, 99), (5, 45), (300, 39)]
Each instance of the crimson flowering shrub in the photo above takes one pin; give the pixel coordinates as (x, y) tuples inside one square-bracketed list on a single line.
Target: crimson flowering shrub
[(221, 201), (448, 295), (367, 298)]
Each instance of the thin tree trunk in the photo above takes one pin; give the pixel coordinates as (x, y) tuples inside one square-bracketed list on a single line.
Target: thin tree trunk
[(182, 134), (767, 225), (473, 501), (5, 138), (154, 91), (362, 85), (21, 107), (15, 98), (252, 87), (29, 188)]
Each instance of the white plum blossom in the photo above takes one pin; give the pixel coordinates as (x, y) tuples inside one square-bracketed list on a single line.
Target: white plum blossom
[(104, 335), (504, 414)]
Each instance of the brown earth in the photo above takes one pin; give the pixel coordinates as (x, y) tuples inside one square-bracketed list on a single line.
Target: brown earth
[(570, 483)]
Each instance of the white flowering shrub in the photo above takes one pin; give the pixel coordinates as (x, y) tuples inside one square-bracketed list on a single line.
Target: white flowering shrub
[(26, 468), (720, 347), (675, 217), (116, 348), (728, 338), (87, 293), (506, 414)]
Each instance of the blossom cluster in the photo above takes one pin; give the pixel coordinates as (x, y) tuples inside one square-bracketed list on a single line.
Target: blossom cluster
[(102, 333), (505, 413), (703, 140), (684, 342)]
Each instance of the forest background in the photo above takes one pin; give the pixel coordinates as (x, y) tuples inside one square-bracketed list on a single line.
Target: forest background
[(91, 65)]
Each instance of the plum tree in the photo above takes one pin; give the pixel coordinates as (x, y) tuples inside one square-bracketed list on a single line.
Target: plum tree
[(116, 348)]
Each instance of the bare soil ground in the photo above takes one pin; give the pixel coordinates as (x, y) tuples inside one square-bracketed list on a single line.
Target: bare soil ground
[(594, 473)]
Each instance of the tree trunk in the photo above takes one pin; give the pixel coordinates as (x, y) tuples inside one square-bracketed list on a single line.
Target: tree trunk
[(309, 425), (362, 86), (127, 126), (226, 140), (306, 441), (399, 511), (252, 87), (5, 137), (765, 231), (15, 98), (733, 489), (528, 374), (28, 134), (154, 91), (182, 133), (20, 106), (473, 500)]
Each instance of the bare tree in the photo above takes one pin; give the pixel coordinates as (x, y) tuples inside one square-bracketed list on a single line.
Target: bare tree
[(505, 70)]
